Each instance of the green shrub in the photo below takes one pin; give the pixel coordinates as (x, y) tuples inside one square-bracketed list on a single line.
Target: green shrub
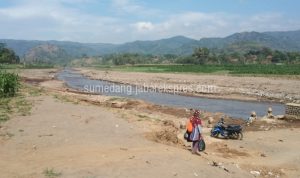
[(9, 84)]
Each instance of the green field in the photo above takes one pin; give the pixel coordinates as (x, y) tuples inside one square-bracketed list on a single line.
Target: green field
[(28, 66), (221, 69)]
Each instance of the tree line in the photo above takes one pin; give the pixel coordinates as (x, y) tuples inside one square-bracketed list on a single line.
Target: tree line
[(201, 55), (207, 56), (8, 56)]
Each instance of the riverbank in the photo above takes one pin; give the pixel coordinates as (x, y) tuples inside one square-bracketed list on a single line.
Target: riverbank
[(82, 135), (210, 86)]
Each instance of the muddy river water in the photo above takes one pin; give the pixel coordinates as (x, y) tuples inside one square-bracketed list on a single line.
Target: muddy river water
[(233, 108)]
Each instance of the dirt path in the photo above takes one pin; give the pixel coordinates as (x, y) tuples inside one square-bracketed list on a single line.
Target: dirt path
[(88, 141)]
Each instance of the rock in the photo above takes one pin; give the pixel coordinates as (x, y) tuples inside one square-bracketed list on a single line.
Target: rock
[(263, 155), (182, 125), (255, 173), (253, 114), (279, 117), (131, 157), (210, 120), (209, 126), (117, 105), (270, 110), (214, 163)]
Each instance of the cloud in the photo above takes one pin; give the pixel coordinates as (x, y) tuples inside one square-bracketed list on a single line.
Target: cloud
[(191, 24), (136, 8), (46, 20), (144, 26), (65, 20), (126, 6), (198, 25)]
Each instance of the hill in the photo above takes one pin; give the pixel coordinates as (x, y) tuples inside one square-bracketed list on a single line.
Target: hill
[(46, 53), (179, 45)]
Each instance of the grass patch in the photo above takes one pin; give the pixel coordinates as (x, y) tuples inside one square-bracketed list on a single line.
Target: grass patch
[(143, 117), (64, 98), (39, 66), (11, 66), (7, 134), (117, 99), (32, 90), (17, 105), (51, 173), (5, 109), (27, 66), (3, 117), (255, 69)]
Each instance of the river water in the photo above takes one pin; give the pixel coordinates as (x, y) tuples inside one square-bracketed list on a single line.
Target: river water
[(233, 108)]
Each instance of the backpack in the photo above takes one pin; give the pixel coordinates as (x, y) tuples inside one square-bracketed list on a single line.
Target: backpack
[(187, 136), (189, 126)]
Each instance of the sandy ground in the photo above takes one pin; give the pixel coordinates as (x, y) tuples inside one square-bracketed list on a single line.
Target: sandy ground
[(95, 136), (217, 86)]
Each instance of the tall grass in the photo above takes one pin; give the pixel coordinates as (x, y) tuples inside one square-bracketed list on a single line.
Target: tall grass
[(9, 84)]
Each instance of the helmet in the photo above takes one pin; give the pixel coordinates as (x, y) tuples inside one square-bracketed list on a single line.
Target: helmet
[(222, 120)]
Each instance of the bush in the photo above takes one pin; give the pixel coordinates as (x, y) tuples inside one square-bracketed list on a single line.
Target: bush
[(9, 84)]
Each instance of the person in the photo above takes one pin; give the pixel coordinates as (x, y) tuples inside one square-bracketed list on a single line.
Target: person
[(195, 136), (252, 118), (221, 123), (269, 113)]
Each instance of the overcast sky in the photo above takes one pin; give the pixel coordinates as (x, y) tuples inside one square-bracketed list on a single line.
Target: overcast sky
[(118, 21)]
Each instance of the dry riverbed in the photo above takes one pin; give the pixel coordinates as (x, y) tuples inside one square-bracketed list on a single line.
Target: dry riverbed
[(283, 89), (70, 134)]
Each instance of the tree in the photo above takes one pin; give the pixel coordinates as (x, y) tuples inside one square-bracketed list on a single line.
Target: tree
[(8, 55), (2, 45), (278, 56), (201, 54)]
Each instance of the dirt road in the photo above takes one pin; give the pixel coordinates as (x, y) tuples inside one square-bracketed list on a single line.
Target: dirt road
[(87, 141)]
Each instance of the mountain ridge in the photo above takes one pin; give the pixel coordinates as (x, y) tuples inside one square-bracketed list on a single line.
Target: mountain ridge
[(178, 45)]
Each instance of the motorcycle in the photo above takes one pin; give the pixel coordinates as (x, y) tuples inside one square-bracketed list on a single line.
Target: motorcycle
[(232, 131)]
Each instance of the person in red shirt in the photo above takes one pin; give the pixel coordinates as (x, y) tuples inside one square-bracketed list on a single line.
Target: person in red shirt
[(196, 134)]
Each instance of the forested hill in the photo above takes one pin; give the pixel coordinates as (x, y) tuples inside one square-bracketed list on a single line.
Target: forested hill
[(179, 45)]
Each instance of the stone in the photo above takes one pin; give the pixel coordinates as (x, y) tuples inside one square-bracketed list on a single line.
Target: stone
[(182, 125), (255, 173), (210, 120)]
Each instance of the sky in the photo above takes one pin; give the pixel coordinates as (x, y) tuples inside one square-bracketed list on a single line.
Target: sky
[(119, 21)]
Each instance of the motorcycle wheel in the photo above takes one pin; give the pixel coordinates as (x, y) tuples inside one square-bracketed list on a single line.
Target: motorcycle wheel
[(216, 135)]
